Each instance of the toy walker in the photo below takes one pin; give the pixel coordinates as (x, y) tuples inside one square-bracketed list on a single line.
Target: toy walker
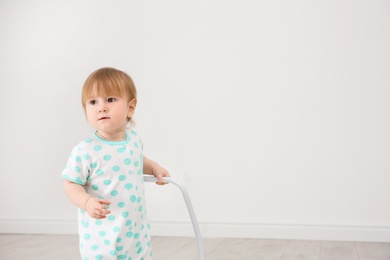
[(189, 207)]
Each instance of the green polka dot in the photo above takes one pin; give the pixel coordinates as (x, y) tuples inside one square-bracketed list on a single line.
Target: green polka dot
[(111, 217), (99, 257), (129, 234), (116, 168), (95, 247), (139, 199), (93, 165), (136, 235), (127, 161), (95, 187), (128, 186), (125, 214), (121, 204), (77, 169), (136, 144), (149, 243), (116, 229), (99, 172), (123, 257), (97, 147), (133, 198), (119, 248), (118, 240), (139, 251), (121, 150), (128, 223), (140, 208), (107, 157), (107, 242), (112, 252), (87, 236), (86, 156), (98, 222), (107, 182), (88, 140), (79, 180), (138, 244), (139, 172), (78, 159), (84, 223), (136, 163), (114, 193), (122, 177), (102, 233)]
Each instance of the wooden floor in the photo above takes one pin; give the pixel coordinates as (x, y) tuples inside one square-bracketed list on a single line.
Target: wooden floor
[(65, 247)]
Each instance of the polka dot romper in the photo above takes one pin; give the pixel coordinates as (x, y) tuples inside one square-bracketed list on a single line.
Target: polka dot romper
[(112, 171)]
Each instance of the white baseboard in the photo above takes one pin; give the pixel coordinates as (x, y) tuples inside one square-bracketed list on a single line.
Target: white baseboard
[(276, 231), (38, 226), (208, 230)]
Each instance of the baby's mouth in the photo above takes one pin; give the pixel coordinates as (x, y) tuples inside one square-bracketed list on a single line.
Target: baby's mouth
[(105, 117)]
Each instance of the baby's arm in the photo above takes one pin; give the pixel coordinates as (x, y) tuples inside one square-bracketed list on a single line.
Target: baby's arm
[(153, 168), (81, 199)]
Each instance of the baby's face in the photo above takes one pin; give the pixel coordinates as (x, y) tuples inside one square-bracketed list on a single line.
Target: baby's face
[(109, 115)]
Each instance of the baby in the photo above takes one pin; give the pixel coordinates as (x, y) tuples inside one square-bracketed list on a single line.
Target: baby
[(104, 173)]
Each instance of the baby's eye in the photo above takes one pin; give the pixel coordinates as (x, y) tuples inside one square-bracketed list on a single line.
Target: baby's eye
[(92, 102), (111, 99)]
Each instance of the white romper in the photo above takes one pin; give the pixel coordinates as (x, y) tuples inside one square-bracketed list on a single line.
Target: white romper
[(112, 171)]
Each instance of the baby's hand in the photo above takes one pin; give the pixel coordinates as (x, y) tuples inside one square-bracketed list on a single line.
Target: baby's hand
[(159, 172), (97, 208)]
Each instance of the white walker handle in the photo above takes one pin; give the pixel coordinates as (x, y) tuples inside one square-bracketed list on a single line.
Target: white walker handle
[(189, 207)]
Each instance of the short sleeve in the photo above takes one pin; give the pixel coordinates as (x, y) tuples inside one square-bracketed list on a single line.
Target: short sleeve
[(138, 139), (77, 167)]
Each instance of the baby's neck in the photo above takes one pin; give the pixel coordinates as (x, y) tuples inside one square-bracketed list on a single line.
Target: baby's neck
[(113, 137)]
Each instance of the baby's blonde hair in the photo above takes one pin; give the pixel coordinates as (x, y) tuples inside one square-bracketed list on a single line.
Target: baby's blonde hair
[(109, 82)]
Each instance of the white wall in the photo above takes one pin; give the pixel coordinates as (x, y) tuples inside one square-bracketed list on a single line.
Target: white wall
[(275, 114)]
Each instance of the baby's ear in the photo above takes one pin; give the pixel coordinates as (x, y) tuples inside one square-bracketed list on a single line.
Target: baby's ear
[(132, 105)]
